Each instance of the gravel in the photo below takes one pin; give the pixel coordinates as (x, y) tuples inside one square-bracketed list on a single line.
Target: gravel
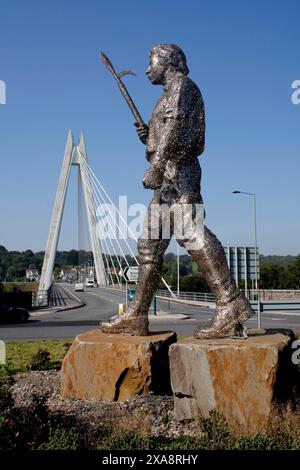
[(149, 414)]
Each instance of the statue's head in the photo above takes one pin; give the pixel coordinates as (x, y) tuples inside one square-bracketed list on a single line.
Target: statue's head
[(165, 58)]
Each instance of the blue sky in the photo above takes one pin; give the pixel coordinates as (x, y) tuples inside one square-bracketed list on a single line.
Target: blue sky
[(244, 56)]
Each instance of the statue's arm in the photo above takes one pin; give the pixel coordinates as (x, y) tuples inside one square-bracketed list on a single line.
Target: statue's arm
[(170, 133), (166, 145)]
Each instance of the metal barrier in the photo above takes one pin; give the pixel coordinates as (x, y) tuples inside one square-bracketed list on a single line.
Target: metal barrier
[(275, 295), (192, 296), (275, 306), (258, 306)]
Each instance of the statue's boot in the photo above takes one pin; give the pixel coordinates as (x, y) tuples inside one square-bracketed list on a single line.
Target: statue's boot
[(127, 323), (232, 307), (227, 320), (135, 322)]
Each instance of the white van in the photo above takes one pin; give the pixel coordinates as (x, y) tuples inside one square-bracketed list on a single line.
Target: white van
[(89, 282), (79, 287)]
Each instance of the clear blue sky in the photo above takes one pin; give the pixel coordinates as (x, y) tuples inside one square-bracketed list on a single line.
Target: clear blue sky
[(243, 55)]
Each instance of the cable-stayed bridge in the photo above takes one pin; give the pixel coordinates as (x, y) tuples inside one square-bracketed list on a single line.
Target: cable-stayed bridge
[(109, 255)]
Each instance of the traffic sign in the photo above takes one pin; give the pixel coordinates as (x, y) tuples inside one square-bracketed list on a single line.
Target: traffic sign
[(241, 262), (131, 273)]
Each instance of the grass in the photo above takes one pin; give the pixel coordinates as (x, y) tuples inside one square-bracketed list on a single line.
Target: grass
[(19, 355)]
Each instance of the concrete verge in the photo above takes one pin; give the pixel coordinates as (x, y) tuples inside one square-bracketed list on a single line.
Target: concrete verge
[(166, 317), (47, 311)]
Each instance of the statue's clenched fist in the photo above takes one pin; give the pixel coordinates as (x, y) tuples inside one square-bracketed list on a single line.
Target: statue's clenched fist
[(153, 178), (142, 132)]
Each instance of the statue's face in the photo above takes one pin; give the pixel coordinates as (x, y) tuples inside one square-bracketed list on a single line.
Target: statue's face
[(156, 69)]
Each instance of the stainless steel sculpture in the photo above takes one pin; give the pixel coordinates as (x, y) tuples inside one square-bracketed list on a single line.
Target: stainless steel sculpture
[(175, 138)]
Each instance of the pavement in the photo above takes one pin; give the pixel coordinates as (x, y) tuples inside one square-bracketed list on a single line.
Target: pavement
[(163, 316)]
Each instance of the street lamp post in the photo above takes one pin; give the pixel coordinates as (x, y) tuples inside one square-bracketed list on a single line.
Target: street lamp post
[(178, 276), (237, 191)]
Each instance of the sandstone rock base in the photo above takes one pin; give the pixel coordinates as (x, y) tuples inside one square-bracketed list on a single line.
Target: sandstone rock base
[(116, 367), (239, 378)]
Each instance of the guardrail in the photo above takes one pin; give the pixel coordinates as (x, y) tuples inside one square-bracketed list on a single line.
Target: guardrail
[(192, 296), (264, 306), (275, 295), (275, 306)]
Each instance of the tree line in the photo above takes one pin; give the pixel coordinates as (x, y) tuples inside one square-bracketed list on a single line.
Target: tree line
[(276, 272)]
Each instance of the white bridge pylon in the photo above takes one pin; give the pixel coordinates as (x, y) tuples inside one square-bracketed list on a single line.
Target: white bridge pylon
[(75, 155)]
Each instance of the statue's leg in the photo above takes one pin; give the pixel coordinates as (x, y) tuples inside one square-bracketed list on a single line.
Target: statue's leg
[(151, 258), (232, 307), (151, 251)]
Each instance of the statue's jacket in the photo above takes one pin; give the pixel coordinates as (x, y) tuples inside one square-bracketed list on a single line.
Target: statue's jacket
[(177, 135)]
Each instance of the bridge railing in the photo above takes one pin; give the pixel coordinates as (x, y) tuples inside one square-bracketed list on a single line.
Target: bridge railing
[(275, 306), (191, 296), (274, 295), (262, 305)]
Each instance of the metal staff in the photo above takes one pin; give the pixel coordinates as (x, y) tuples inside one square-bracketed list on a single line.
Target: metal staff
[(128, 99)]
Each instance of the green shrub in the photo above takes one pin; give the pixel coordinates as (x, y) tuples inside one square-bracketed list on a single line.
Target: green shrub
[(216, 433), (6, 399), (259, 441), (41, 360), (25, 427), (179, 443), (67, 346), (127, 440), (6, 370), (279, 441), (62, 439)]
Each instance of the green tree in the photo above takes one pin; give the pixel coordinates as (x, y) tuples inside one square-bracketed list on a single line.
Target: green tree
[(194, 283), (295, 274)]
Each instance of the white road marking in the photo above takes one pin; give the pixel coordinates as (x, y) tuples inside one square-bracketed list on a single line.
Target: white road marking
[(290, 314), (278, 319)]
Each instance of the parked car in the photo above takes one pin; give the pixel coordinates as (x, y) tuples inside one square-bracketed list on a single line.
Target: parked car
[(79, 287), (131, 294), (11, 314)]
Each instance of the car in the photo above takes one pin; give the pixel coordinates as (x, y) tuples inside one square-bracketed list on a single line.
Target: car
[(131, 294), (79, 287), (12, 314), (89, 282)]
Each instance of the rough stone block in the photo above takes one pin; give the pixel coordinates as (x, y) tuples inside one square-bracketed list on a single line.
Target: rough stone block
[(116, 367), (241, 378)]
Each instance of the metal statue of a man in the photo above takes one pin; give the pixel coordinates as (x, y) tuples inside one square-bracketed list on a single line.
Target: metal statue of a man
[(175, 138)]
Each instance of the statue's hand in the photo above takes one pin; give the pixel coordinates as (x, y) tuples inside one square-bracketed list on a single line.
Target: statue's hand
[(153, 178), (142, 132)]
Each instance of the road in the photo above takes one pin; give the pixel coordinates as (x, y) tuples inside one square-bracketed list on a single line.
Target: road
[(101, 303)]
